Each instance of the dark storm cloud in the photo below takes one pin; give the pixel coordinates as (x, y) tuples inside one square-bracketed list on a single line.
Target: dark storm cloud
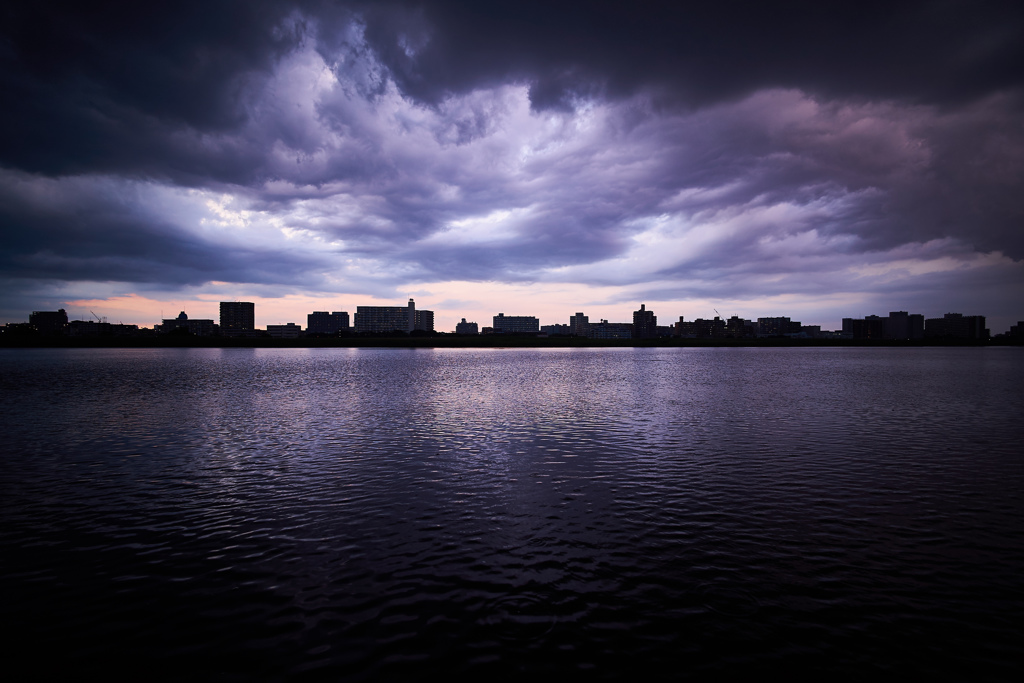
[(111, 89), (99, 229), (591, 142), (105, 87), (704, 52), (921, 174)]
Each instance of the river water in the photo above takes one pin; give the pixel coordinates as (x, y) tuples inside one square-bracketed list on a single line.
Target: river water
[(349, 514)]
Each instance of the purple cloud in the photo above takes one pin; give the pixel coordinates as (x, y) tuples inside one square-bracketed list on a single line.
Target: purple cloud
[(374, 148)]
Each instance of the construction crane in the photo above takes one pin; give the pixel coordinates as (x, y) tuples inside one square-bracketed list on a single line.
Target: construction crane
[(719, 314)]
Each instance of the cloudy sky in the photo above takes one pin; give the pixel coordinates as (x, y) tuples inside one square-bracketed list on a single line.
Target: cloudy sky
[(816, 160)]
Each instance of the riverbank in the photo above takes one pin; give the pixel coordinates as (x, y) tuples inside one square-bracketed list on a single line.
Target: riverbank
[(473, 342)]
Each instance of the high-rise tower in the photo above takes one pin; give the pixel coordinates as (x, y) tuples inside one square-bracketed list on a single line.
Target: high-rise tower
[(237, 317), (645, 324)]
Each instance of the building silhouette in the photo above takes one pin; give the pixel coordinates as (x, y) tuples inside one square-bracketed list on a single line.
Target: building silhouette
[(384, 319), (466, 328), (868, 327), (903, 325), (700, 328), (579, 325), (956, 326), (237, 318), (607, 330), (515, 324), (100, 328), (423, 321), (200, 327), (645, 324), (777, 327), (738, 327), (898, 325), (49, 322), (322, 322), (286, 331)]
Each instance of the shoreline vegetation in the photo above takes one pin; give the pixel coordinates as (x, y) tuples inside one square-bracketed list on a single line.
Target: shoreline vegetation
[(446, 341)]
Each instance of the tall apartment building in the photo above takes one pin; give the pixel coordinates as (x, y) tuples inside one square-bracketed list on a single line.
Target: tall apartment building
[(383, 319), (645, 324), (515, 324), (903, 325), (579, 325), (237, 318), (423, 320)]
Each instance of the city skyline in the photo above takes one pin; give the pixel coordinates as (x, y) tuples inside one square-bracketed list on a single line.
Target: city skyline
[(237, 319), (83, 312), (524, 158)]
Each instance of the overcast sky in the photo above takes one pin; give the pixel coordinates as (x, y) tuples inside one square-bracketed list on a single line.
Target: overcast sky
[(818, 160)]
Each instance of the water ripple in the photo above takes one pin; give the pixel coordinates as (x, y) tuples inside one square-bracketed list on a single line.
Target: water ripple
[(359, 514)]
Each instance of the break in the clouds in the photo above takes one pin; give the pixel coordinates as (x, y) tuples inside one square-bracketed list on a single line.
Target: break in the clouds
[(788, 159)]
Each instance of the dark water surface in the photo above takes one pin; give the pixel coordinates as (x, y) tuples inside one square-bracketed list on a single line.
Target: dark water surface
[(847, 513)]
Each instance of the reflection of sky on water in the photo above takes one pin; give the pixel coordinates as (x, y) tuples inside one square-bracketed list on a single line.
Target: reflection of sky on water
[(506, 412), (503, 416), (528, 491)]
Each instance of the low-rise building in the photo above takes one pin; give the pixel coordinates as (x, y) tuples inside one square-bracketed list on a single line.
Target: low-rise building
[(384, 319), (956, 326), (200, 327), (700, 328), (466, 328), (286, 331), (515, 324), (98, 328), (607, 330), (739, 328), (898, 325), (777, 327), (868, 327), (49, 322), (327, 324)]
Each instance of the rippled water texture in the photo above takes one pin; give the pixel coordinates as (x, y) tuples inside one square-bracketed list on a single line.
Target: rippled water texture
[(375, 513)]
